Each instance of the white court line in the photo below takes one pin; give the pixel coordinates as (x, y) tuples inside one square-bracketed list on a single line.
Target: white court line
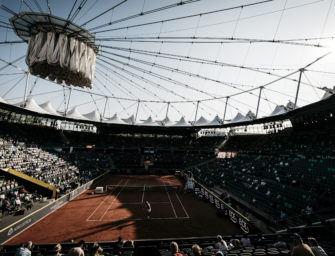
[(182, 205), (143, 193), (167, 218), (142, 203), (170, 218), (113, 201), (88, 219), (174, 211)]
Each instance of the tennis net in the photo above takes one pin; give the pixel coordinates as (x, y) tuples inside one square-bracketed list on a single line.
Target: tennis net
[(154, 188)]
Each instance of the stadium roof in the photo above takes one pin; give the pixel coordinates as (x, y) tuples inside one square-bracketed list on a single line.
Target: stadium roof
[(195, 64), (315, 111)]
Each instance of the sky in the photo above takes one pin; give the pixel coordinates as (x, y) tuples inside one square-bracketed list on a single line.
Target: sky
[(193, 75)]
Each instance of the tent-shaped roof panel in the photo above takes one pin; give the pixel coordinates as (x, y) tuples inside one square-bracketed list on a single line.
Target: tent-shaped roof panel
[(114, 120), (149, 122), (201, 121), (215, 121), (75, 114), (181, 122), (47, 106), (93, 116)]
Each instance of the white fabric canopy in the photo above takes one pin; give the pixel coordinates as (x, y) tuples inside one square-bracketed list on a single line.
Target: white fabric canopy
[(250, 116), (279, 110), (149, 122), (32, 106), (47, 106), (2, 100), (115, 120), (326, 95), (328, 92), (129, 120), (215, 121), (238, 118), (167, 122), (291, 106), (201, 121), (93, 116), (62, 58), (182, 122), (75, 114)]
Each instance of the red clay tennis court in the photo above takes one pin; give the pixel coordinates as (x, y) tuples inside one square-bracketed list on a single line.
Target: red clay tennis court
[(122, 212)]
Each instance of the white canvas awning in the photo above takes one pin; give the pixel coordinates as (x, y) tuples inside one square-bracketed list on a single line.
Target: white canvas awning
[(201, 121), (47, 106), (328, 92), (93, 116), (326, 95), (291, 106), (75, 114), (279, 110), (3, 101), (182, 122), (167, 122), (32, 106), (238, 118), (129, 120), (149, 122), (115, 120), (250, 116), (215, 121)]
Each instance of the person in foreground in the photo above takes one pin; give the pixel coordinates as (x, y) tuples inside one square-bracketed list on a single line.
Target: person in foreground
[(25, 249), (79, 250), (174, 248), (316, 248), (196, 249), (299, 248), (95, 250)]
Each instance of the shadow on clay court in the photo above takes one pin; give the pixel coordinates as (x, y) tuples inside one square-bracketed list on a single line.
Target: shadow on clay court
[(88, 198), (115, 225)]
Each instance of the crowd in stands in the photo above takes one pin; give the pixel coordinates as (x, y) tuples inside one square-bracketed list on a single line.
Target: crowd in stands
[(15, 199), (259, 245), (51, 168), (38, 153), (63, 170), (281, 176)]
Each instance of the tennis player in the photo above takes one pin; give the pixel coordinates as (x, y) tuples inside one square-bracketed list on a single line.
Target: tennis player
[(148, 206)]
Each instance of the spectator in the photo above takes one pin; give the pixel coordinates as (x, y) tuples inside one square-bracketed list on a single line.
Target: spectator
[(260, 238), (174, 249), (245, 240), (129, 244), (196, 249), (17, 202), (118, 245), (96, 250), (299, 248), (25, 249), (5, 207), (308, 210), (57, 250), (316, 248), (79, 250), (236, 244), (282, 215), (221, 244), (280, 244)]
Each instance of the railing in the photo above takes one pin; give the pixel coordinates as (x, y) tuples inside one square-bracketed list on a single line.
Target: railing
[(234, 215)]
